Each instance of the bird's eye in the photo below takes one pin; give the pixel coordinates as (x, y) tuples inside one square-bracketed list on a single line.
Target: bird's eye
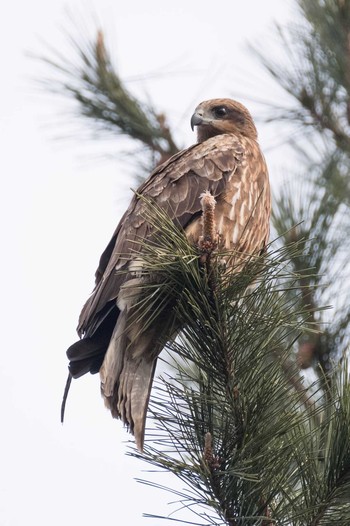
[(220, 111)]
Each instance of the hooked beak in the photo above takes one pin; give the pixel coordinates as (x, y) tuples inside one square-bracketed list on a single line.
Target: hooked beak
[(196, 120)]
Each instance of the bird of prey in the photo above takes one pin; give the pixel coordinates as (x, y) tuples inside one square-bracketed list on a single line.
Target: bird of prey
[(226, 162)]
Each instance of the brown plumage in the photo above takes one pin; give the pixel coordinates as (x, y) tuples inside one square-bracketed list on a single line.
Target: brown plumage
[(228, 163)]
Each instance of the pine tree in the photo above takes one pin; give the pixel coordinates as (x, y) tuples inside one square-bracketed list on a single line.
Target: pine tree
[(255, 444), (317, 78)]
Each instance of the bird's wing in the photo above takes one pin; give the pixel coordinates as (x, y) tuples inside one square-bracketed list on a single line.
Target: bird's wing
[(176, 187)]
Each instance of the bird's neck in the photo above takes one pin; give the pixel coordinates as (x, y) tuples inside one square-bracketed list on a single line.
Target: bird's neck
[(206, 132)]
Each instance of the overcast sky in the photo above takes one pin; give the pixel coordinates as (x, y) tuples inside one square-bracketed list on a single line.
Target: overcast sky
[(59, 206)]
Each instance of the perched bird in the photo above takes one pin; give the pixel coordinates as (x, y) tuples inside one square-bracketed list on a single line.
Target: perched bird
[(226, 162)]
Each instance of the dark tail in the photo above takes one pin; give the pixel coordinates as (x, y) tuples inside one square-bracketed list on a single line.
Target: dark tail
[(65, 396)]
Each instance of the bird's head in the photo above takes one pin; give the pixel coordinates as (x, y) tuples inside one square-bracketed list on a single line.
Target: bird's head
[(217, 116)]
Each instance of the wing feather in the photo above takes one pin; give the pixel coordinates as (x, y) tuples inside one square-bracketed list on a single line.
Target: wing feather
[(175, 186)]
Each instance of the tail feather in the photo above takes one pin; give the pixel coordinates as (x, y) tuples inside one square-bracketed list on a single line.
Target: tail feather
[(65, 396), (125, 353), (140, 390), (127, 375), (87, 354)]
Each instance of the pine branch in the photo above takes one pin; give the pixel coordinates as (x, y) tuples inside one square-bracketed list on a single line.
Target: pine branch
[(318, 75), (317, 78), (224, 412), (321, 236), (104, 101), (328, 451)]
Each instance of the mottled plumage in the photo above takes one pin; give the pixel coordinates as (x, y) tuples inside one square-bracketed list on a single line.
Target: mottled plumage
[(228, 163)]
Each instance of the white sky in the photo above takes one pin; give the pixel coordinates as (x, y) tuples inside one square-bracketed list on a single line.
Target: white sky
[(59, 206)]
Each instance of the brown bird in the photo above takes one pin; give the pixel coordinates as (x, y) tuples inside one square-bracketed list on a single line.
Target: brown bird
[(228, 163)]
